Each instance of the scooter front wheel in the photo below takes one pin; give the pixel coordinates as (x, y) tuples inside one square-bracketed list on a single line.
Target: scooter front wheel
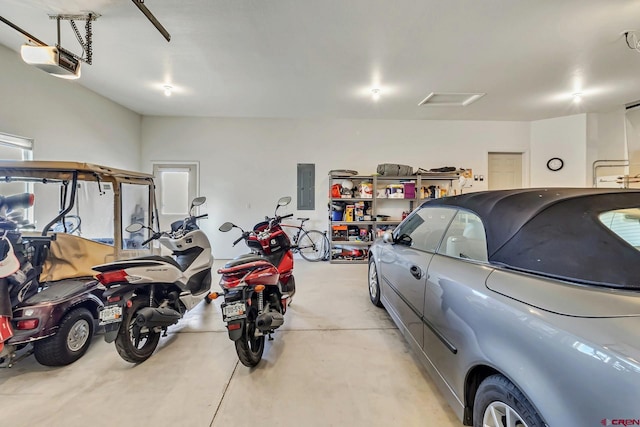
[(131, 348), (249, 347)]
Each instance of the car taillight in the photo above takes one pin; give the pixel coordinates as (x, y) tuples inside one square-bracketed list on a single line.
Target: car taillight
[(27, 324), (109, 277)]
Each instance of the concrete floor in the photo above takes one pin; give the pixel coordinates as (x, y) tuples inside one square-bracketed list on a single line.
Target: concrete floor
[(337, 361)]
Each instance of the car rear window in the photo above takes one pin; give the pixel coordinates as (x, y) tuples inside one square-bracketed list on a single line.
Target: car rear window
[(625, 223)]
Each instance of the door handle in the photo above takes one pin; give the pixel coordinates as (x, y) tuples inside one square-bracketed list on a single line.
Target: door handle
[(415, 271)]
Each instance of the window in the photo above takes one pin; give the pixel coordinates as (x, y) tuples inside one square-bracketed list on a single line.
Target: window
[(135, 209), (15, 147), (175, 200), (465, 238), (625, 223), (424, 228)]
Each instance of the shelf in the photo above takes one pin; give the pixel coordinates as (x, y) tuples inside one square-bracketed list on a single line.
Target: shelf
[(350, 243), (353, 222), (348, 261), (352, 199), (390, 206)]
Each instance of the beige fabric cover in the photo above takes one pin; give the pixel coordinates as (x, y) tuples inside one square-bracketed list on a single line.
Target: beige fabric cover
[(73, 256)]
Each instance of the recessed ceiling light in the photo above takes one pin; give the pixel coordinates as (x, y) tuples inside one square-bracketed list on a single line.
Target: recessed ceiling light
[(375, 94), (167, 90), (577, 97)]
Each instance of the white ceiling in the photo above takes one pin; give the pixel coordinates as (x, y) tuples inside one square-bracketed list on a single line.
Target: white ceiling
[(320, 58)]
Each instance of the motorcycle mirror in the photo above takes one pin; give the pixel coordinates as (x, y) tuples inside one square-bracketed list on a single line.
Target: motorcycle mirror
[(198, 201), (134, 228), (284, 201), (227, 226)]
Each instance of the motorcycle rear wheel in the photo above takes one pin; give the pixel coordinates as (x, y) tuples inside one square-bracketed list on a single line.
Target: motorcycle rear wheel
[(127, 348), (249, 347)]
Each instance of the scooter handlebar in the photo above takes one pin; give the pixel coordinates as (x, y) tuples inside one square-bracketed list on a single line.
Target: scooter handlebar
[(201, 216), (244, 236), (154, 236)]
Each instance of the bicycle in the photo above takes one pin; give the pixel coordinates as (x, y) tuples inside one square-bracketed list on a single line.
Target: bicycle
[(312, 245)]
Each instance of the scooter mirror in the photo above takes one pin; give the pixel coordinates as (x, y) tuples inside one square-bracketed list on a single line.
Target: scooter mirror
[(284, 201), (198, 201), (227, 226), (134, 228)]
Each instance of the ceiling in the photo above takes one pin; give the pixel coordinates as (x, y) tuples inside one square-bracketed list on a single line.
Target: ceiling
[(320, 59)]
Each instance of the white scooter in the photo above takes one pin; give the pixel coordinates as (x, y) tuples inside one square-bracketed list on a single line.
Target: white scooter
[(146, 295)]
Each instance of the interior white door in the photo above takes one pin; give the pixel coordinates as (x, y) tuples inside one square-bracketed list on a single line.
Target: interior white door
[(505, 171), (176, 187)]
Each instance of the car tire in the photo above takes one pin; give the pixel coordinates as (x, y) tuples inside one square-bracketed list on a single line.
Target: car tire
[(71, 341), (374, 284), (498, 396)]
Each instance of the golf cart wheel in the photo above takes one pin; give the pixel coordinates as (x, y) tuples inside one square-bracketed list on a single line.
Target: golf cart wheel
[(70, 342), (499, 403), (130, 349)]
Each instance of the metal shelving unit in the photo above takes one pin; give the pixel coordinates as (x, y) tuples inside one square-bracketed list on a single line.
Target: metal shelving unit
[(348, 247)]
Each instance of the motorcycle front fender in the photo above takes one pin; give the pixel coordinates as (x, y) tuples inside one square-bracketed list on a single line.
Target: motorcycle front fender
[(236, 334)]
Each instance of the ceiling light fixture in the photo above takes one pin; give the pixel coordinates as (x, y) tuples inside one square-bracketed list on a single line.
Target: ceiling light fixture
[(577, 97), (167, 90), (375, 94)]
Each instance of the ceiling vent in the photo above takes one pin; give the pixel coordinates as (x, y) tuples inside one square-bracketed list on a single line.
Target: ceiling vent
[(450, 99)]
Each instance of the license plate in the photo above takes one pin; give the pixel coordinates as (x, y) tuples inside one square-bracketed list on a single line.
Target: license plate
[(234, 310), (111, 314)]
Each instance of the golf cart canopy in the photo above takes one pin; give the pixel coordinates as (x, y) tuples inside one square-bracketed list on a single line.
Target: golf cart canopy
[(87, 207)]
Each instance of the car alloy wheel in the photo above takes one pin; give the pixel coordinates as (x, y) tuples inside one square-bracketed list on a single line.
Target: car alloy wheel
[(499, 414)]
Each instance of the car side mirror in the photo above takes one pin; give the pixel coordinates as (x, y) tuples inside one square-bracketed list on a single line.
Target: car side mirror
[(405, 239), (387, 237)]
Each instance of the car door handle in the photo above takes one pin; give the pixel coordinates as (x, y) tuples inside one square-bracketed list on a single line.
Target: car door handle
[(415, 271)]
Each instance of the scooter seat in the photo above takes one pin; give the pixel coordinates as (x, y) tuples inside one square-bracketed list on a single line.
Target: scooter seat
[(243, 259), (166, 259)]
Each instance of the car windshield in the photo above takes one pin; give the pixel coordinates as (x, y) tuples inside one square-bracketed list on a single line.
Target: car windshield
[(625, 223)]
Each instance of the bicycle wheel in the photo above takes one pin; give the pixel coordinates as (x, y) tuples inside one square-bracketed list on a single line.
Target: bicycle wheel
[(313, 245)]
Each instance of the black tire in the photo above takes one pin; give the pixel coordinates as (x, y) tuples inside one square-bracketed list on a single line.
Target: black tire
[(250, 347), (374, 284), (313, 245), (127, 348), (497, 395), (71, 341)]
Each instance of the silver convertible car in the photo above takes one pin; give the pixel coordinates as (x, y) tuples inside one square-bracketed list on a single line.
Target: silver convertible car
[(523, 305)]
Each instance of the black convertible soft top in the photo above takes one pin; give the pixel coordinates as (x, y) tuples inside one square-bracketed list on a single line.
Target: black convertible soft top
[(556, 232)]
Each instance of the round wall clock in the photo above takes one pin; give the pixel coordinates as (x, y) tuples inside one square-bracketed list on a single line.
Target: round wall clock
[(555, 164)]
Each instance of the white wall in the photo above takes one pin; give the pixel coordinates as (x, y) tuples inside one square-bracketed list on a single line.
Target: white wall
[(247, 164), (563, 137), (606, 140), (67, 121)]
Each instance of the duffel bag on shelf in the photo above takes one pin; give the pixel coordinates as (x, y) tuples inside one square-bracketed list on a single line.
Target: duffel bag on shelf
[(394, 169)]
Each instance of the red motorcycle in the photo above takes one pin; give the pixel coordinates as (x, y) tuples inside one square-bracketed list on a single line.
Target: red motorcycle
[(257, 287)]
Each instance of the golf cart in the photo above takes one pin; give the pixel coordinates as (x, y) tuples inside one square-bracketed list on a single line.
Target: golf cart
[(77, 220)]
